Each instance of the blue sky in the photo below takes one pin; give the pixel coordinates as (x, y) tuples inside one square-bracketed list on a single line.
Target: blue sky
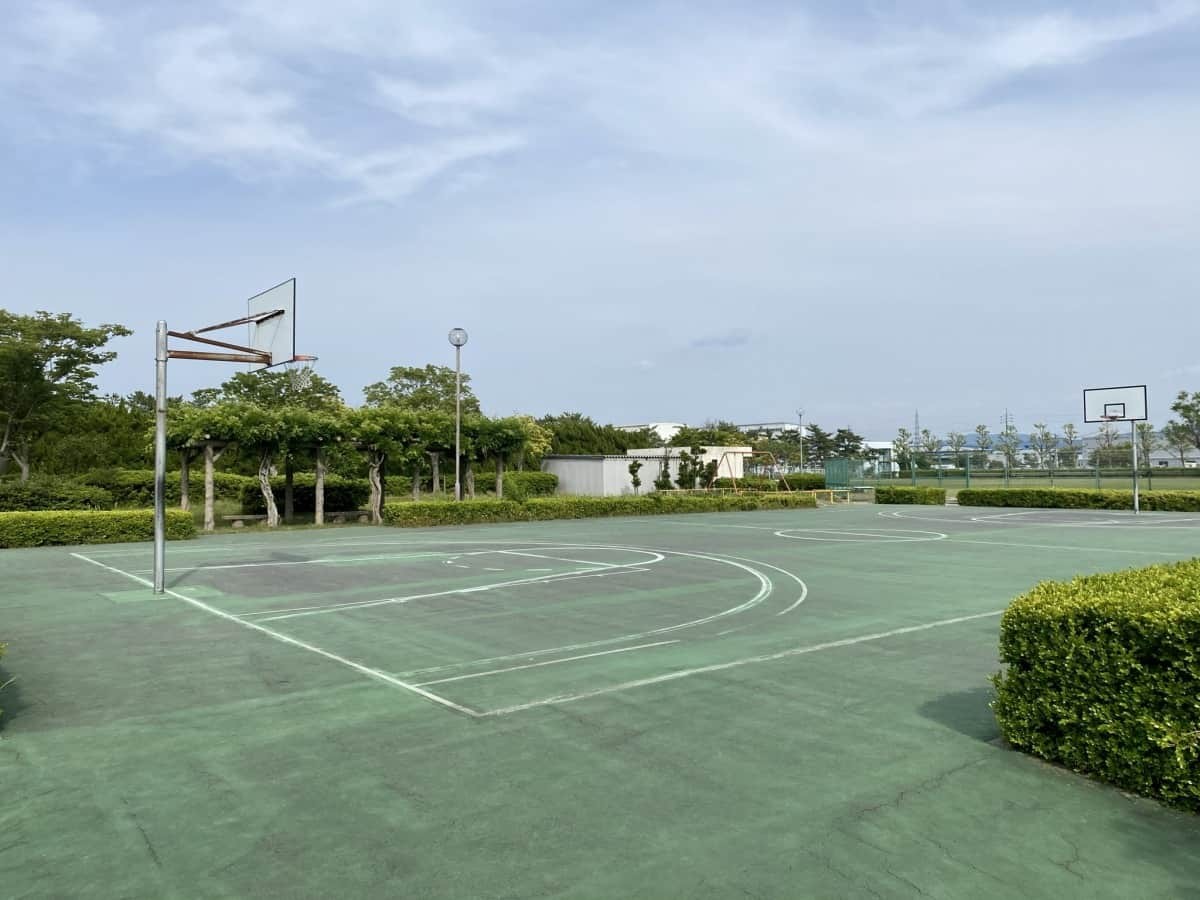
[(642, 211)]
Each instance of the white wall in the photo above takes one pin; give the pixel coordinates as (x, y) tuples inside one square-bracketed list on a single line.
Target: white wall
[(579, 475)]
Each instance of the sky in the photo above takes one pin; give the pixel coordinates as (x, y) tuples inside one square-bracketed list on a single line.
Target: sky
[(651, 211)]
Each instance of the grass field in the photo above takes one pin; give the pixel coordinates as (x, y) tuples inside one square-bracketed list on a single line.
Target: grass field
[(769, 704)]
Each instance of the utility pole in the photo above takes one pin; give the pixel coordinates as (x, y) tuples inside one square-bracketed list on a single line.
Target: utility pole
[(915, 437)]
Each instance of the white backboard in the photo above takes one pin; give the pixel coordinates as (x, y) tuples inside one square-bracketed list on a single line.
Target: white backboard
[(277, 334), (1120, 404)]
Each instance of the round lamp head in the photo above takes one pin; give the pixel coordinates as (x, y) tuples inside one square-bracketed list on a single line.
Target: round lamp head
[(458, 337)]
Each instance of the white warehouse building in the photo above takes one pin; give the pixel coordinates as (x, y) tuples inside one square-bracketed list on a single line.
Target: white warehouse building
[(608, 476)]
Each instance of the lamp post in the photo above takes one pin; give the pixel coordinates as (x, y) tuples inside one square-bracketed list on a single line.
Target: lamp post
[(458, 339), (800, 425)]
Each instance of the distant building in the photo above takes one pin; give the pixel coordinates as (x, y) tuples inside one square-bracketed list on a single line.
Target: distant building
[(608, 476)]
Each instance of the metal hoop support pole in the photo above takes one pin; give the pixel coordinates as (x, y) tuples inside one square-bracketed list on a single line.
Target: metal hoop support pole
[(160, 457), (1133, 444)]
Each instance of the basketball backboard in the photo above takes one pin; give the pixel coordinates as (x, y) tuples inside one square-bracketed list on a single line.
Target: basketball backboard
[(273, 325), (1115, 404)]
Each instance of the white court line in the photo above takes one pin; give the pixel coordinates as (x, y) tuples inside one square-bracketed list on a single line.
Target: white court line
[(549, 662), (879, 536), (605, 568), (719, 667), (303, 645), (764, 591), (1158, 553), (296, 562)]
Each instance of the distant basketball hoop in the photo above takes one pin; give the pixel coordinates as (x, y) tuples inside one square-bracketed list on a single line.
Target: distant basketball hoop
[(1126, 403)]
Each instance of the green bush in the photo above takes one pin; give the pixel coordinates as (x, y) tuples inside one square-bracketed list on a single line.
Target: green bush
[(800, 481), (341, 494), (135, 487), (925, 496), (1079, 498), (416, 515), (1103, 676), (523, 485), (38, 529), (52, 493)]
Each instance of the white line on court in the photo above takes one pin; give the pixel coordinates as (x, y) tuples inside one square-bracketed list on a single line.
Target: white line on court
[(303, 645), (719, 667), (296, 562), (1158, 553), (879, 536), (549, 662), (601, 568)]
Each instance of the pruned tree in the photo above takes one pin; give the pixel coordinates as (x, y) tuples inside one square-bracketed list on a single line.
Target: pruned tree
[(956, 441), (1147, 442), (902, 448), (1009, 444), (47, 361), (983, 442), (1044, 443), (1071, 446), (634, 481), (929, 442)]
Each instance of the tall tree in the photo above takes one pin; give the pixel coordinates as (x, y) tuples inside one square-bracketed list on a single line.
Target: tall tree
[(1187, 407), (847, 444), (1071, 446), (1147, 442), (47, 360), (711, 434), (819, 445), (1044, 443), (425, 388), (929, 442), (956, 441), (1009, 443), (983, 441), (274, 389), (902, 448), (1179, 440)]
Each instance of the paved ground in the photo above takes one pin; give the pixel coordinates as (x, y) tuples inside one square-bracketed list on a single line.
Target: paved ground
[(772, 704)]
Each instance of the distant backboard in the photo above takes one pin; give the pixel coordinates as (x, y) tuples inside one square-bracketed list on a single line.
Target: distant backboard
[(274, 332), (1115, 404)]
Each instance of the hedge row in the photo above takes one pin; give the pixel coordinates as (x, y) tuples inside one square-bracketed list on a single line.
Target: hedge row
[(51, 493), (341, 494), (418, 515), (925, 496), (801, 481), (135, 487), (1104, 677), (519, 485), (1077, 498), (38, 529)]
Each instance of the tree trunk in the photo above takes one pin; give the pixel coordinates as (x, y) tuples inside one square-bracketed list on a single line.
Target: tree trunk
[(375, 478), (500, 478), (416, 479), (469, 477), (319, 489), (264, 483), (22, 463), (289, 497), (185, 466), (435, 460), (211, 455)]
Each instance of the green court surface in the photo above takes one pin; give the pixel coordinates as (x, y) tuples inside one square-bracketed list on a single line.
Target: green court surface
[(769, 704)]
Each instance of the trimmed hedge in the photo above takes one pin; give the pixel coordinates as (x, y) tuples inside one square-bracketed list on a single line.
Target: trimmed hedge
[(1079, 498), (135, 487), (1104, 677), (801, 481), (52, 493), (418, 515), (924, 496), (38, 529), (341, 494), (518, 485)]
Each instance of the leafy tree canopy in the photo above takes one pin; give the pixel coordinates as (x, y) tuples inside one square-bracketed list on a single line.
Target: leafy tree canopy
[(428, 388), (274, 389)]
